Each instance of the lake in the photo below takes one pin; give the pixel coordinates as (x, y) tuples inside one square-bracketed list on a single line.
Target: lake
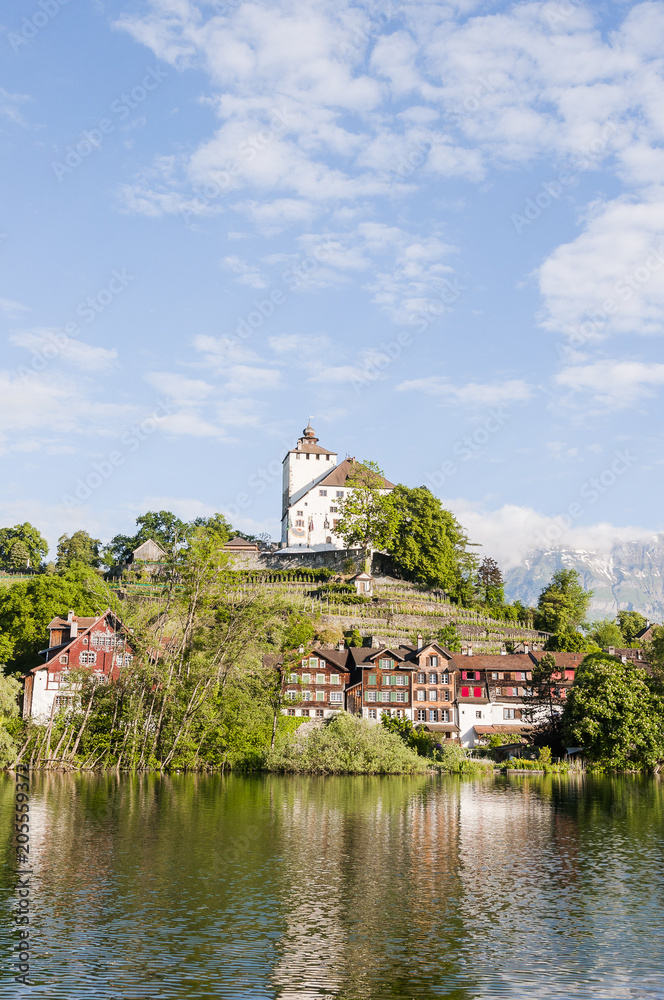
[(298, 887)]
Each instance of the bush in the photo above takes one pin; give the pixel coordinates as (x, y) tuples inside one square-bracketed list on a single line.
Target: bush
[(345, 745)]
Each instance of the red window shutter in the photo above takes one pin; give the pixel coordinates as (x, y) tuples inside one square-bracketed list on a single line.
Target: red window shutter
[(465, 692), (477, 692)]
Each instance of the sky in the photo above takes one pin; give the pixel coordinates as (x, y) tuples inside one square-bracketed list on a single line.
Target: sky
[(437, 229)]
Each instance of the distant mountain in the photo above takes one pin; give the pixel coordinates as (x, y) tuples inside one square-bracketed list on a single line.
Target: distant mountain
[(630, 577)]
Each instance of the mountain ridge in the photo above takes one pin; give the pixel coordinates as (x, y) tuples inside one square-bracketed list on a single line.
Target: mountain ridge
[(628, 577)]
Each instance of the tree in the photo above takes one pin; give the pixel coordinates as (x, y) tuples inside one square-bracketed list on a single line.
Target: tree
[(216, 524), (615, 711), (448, 637), (569, 641), (428, 545), (490, 582), (162, 527), (630, 624), (118, 550), (606, 633), (21, 546), (27, 607), (367, 511), (81, 549), (563, 605), (544, 704)]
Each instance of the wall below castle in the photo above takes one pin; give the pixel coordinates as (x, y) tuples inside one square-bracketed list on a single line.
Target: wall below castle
[(335, 559)]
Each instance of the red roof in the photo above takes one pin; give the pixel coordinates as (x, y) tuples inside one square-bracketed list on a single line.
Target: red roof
[(565, 660)]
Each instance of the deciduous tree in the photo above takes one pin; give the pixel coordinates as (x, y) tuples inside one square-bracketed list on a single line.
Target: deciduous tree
[(78, 550), (367, 512), (22, 546), (616, 712)]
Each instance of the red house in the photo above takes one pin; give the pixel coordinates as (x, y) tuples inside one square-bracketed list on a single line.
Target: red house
[(97, 644)]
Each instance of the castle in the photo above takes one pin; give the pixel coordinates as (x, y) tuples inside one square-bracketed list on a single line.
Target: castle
[(314, 484)]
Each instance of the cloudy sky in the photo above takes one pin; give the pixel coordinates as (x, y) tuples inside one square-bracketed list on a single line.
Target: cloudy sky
[(437, 228)]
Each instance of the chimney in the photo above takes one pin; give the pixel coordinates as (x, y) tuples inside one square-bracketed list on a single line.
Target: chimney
[(73, 629), (420, 643), (341, 646), (612, 650), (526, 648), (374, 642), (469, 649), (70, 616)]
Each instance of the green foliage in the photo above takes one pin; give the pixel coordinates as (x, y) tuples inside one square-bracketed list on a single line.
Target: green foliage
[(563, 605), (605, 633), (630, 624), (353, 638), (79, 550), (427, 543), (448, 637), (490, 585), (299, 631), (10, 689), (568, 641), (345, 745), (27, 607), (615, 711), (21, 547), (451, 758), (329, 635), (367, 511)]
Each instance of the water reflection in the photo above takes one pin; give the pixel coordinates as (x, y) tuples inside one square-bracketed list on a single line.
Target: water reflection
[(353, 888)]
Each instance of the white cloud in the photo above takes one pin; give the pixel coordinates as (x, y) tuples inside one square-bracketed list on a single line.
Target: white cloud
[(472, 394), (11, 308), (43, 409), (183, 391), (247, 274), (614, 383), (610, 279), (513, 532), (50, 345)]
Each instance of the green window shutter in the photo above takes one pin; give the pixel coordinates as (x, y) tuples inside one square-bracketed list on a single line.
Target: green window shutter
[(394, 695), (372, 679)]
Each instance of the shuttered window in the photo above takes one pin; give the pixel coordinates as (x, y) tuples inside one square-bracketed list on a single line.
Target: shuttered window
[(465, 692), (371, 679), (477, 692)]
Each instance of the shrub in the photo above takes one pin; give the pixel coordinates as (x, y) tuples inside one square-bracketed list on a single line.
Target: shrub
[(344, 745)]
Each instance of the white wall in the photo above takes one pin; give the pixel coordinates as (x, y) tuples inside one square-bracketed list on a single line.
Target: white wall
[(468, 719)]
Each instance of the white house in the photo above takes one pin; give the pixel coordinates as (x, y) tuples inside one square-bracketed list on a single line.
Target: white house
[(314, 484)]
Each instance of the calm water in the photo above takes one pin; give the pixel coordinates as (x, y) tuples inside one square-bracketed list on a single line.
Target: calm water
[(342, 887)]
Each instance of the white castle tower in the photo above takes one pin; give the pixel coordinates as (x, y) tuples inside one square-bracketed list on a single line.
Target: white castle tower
[(304, 507), (314, 485)]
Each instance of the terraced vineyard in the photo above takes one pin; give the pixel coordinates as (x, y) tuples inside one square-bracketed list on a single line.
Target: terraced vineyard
[(398, 612)]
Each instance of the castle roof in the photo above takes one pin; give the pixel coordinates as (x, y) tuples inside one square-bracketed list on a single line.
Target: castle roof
[(342, 472)]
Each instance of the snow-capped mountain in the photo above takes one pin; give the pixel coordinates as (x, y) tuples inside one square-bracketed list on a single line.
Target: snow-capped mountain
[(630, 576)]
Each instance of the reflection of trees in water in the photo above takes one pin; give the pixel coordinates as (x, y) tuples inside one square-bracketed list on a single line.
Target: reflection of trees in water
[(369, 889)]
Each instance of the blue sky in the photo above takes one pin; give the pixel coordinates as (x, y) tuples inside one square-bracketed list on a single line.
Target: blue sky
[(437, 228)]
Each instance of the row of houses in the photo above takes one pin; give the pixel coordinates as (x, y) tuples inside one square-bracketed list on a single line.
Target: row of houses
[(466, 698), (462, 697)]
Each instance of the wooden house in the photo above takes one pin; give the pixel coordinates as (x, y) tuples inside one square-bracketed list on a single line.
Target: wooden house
[(99, 645), (316, 683)]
